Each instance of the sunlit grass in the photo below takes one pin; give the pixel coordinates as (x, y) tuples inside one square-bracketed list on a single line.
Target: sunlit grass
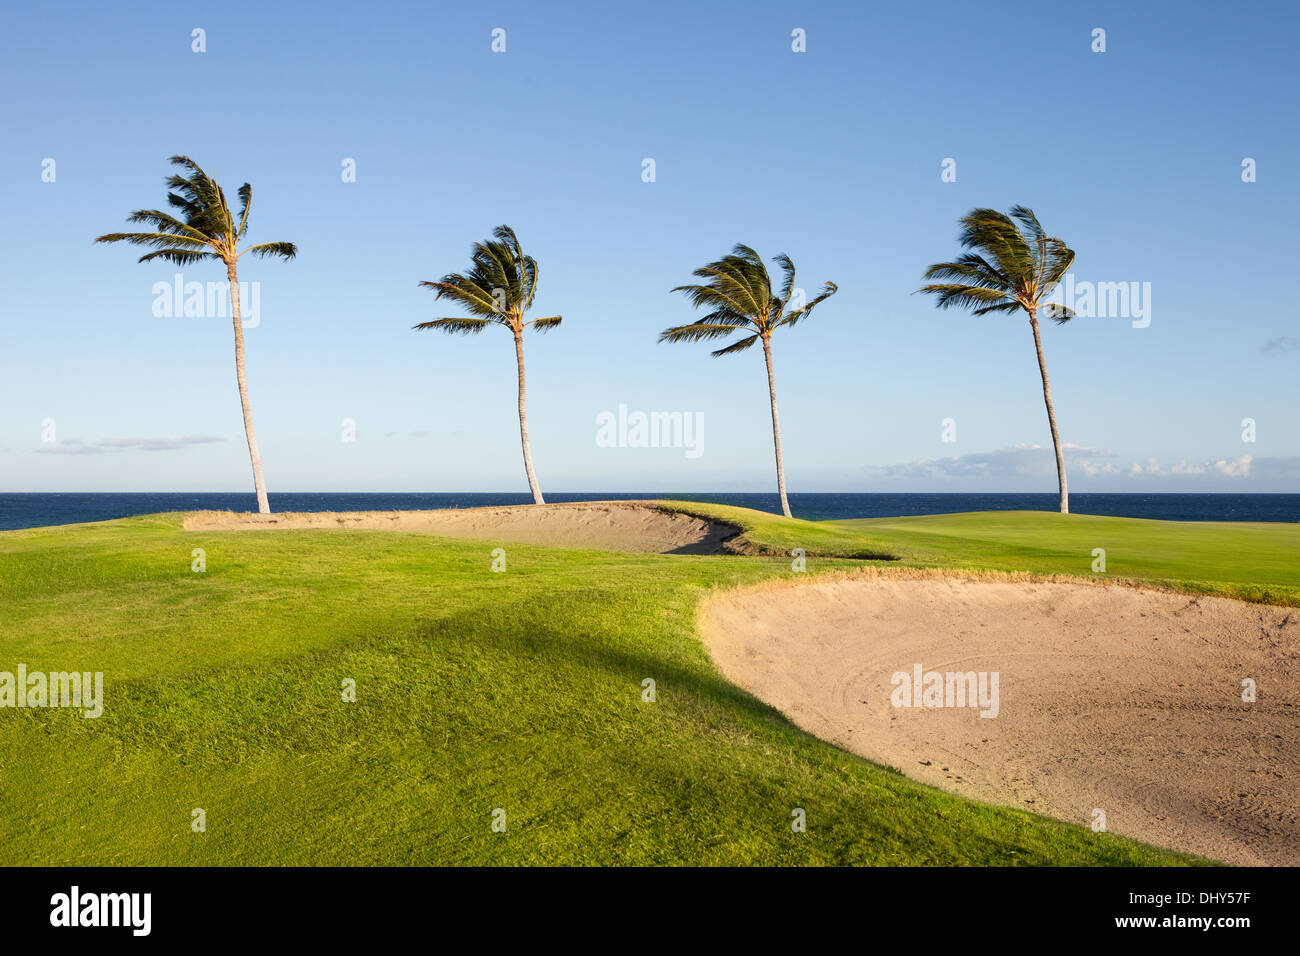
[(475, 691), (1257, 561)]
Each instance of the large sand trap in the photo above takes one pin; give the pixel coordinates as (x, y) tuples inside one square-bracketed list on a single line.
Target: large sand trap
[(602, 525), (1123, 699)]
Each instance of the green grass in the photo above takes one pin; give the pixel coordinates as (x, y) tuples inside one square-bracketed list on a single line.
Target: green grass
[(1254, 561), (478, 690)]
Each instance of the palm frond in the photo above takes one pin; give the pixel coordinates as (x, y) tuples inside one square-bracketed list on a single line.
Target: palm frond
[(737, 346), (246, 206), (971, 296), (524, 268), (285, 250), (998, 236), (733, 278), (727, 316), (1016, 267), (1000, 307), (205, 230), (491, 269), (499, 285), (180, 257), (791, 318), (750, 276), (739, 293), (697, 332), (186, 163), (1059, 259), (787, 267), (456, 325), (166, 223), (464, 291), (707, 295), (201, 199), (974, 269), (1035, 238), (157, 239)]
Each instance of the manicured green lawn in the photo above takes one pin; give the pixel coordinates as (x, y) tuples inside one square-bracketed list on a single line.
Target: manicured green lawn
[(479, 690), (1252, 561)]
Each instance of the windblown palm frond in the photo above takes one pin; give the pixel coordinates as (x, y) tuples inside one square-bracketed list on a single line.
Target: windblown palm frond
[(245, 207), (804, 311), (700, 331), (499, 286), (738, 346), (178, 257), (1016, 265), (739, 291), (285, 250), (787, 266), (205, 230), (456, 326)]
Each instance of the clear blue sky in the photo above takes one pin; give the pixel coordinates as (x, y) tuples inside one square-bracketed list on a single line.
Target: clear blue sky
[(832, 156)]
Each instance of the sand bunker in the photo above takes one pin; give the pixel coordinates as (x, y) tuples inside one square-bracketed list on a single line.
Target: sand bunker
[(1110, 698), (601, 525)]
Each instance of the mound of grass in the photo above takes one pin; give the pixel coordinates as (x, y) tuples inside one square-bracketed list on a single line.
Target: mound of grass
[(521, 692)]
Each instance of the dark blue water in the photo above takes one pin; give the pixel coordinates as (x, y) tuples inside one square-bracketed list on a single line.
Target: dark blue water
[(37, 509)]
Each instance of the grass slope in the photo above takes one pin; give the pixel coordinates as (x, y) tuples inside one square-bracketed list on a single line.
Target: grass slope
[(478, 690)]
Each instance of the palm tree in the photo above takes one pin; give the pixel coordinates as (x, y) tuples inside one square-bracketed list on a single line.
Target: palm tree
[(1016, 267), (739, 293), (497, 290), (208, 231)]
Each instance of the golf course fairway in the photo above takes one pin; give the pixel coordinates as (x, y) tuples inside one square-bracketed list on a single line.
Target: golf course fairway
[(499, 716)]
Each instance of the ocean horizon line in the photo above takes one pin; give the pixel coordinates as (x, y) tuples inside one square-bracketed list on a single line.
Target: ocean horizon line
[(660, 494), (43, 509)]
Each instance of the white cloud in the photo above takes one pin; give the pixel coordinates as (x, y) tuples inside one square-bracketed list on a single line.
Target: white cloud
[(1236, 467), (1153, 467), (73, 446), (1015, 462), (1038, 462)]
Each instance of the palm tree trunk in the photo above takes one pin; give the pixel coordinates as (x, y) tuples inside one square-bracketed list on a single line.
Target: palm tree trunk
[(523, 422), (259, 484), (1051, 415), (776, 429)]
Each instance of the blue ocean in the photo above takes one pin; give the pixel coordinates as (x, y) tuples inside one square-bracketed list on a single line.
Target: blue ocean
[(34, 510)]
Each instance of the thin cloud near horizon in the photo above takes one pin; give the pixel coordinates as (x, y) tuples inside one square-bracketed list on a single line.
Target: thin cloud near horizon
[(108, 446), (1033, 461)]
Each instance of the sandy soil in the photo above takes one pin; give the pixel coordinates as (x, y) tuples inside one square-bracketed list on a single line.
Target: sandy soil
[(1115, 698), (601, 525)]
